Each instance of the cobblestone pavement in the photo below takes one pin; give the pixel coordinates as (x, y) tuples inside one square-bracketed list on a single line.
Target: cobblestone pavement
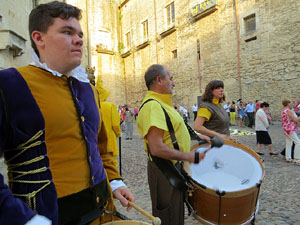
[(279, 196)]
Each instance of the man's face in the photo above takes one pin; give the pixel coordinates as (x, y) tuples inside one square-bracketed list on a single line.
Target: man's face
[(61, 47), (218, 92), (168, 83)]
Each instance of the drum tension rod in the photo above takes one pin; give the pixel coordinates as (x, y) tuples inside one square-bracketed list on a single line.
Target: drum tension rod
[(190, 208), (220, 193), (259, 184)]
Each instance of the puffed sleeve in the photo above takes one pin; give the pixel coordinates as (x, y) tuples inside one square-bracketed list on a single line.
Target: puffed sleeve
[(13, 211)]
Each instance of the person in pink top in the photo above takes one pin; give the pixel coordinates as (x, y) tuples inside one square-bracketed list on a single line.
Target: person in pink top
[(289, 124)]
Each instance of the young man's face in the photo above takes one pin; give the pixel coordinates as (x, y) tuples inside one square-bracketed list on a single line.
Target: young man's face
[(61, 48)]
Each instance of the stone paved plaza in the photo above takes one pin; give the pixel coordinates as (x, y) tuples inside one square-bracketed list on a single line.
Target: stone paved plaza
[(280, 191)]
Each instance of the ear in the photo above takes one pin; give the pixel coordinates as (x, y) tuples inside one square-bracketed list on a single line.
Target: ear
[(38, 39), (158, 79)]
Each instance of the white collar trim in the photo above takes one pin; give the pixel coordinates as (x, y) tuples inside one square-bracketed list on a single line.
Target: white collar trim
[(79, 72)]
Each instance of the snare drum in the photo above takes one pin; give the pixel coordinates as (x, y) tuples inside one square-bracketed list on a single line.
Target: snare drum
[(227, 184), (126, 222)]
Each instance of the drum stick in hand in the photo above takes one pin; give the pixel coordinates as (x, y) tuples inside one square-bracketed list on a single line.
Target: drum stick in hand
[(155, 220), (215, 142)]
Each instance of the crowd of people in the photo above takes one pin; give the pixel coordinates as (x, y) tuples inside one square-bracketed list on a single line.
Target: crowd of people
[(127, 116), (58, 133), (247, 114)]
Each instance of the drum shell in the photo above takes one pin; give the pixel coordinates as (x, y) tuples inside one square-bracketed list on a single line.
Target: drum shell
[(224, 210), (126, 222), (236, 207)]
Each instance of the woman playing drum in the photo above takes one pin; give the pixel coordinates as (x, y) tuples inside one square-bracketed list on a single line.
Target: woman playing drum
[(212, 120)]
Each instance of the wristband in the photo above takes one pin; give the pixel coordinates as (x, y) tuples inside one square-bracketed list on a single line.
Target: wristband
[(196, 157)]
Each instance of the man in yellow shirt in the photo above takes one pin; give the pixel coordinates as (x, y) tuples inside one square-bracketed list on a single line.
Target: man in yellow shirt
[(167, 201)]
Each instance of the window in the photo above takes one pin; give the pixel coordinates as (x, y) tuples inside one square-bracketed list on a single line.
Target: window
[(170, 14), (145, 31), (174, 54), (128, 40), (250, 23)]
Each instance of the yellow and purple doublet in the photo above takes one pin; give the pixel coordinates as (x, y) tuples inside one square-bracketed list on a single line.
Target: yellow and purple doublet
[(50, 130)]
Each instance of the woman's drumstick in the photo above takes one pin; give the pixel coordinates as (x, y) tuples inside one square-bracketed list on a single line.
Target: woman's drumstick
[(215, 142), (155, 220)]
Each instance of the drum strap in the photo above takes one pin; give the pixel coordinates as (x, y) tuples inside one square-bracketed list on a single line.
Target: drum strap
[(168, 121), (171, 171)]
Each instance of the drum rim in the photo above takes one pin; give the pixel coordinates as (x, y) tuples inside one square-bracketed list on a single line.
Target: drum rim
[(122, 221), (231, 193)]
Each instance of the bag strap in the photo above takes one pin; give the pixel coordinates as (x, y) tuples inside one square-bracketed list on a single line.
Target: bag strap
[(169, 123)]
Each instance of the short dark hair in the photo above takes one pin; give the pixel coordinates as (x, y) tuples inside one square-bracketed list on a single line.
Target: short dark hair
[(208, 95), (285, 102), (42, 17), (152, 72), (264, 104)]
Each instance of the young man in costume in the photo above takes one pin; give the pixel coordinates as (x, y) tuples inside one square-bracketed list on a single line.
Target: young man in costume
[(51, 131), (167, 201)]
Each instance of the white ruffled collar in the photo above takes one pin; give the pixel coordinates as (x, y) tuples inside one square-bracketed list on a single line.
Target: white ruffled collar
[(79, 72)]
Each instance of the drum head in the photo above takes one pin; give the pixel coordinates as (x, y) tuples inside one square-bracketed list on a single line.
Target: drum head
[(228, 169)]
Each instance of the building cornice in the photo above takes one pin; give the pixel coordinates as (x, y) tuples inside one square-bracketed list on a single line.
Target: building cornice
[(123, 3)]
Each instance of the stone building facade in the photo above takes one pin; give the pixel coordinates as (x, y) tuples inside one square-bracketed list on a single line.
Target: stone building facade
[(252, 45), (14, 36)]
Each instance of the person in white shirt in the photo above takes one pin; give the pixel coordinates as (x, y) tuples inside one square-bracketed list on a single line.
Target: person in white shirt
[(195, 110), (261, 128)]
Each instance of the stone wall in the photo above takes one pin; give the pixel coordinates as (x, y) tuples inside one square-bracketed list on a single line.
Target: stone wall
[(100, 25), (14, 35), (268, 56), (260, 64)]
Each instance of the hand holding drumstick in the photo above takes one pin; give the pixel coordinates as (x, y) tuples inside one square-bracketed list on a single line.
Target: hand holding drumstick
[(215, 142), (155, 220)]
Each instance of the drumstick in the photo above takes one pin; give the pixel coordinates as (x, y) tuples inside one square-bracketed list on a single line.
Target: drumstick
[(209, 148), (215, 142), (155, 220)]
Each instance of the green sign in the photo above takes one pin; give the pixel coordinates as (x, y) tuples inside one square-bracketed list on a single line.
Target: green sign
[(203, 6)]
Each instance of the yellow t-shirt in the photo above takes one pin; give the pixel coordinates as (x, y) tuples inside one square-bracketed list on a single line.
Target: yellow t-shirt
[(204, 112), (152, 115)]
